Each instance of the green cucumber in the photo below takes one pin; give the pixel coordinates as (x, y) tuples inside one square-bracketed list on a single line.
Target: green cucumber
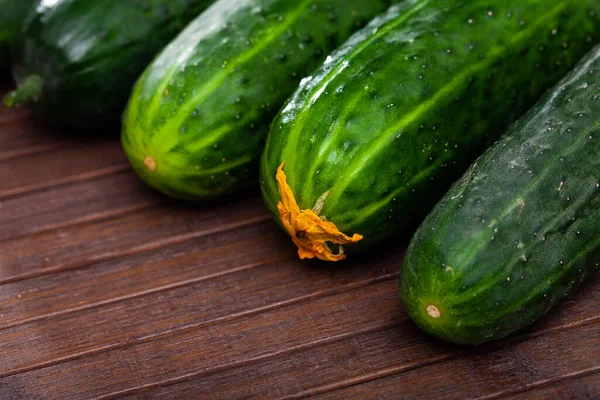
[(197, 120), (12, 14), (88, 54), (380, 131), (11, 18), (521, 229)]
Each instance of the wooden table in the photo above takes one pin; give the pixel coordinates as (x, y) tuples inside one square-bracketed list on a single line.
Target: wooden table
[(109, 290)]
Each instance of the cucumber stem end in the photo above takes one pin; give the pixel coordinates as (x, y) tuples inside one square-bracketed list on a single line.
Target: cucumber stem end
[(29, 90), (150, 163), (433, 311)]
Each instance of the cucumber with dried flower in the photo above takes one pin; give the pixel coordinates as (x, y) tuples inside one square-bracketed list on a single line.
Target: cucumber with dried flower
[(197, 120), (380, 131)]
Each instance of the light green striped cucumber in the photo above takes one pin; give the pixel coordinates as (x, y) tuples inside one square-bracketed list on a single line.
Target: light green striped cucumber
[(378, 133), (197, 120)]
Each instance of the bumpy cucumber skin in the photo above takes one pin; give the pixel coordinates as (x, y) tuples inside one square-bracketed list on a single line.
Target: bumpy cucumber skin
[(521, 229), (400, 111), (90, 53), (202, 110)]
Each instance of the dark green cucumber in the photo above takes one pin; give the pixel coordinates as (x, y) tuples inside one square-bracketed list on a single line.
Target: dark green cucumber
[(393, 117), (88, 54), (197, 120), (12, 15), (521, 229)]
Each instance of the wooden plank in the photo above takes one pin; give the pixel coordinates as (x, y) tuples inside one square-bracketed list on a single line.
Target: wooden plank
[(492, 372), (188, 285), (69, 204), (524, 364), (270, 340), (296, 370), (24, 138), (203, 347), (210, 252), (110, 236), (358, 355), (72, 163), (575, 386), (362, 352), (10, 116)]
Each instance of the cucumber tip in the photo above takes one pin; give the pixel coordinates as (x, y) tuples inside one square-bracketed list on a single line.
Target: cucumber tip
[(150, 163), (433, 311)]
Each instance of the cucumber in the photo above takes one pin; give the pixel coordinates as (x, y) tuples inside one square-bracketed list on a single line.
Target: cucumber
[(78, 59), (12, 14), (197, 120), (11, 19), (521, 229), (379, 132)]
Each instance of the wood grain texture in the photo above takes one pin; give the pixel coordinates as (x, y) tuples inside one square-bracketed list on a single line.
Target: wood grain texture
[(27, 138), (68, 204), (35, 171), (393, 348), (571, 387), (113, 234), (110, 290), (510, 369)]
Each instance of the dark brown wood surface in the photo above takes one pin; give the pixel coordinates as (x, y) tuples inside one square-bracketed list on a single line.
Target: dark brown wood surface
[(109, 290)]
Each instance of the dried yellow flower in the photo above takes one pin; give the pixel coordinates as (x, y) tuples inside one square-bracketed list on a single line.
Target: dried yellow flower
[(309, 232)]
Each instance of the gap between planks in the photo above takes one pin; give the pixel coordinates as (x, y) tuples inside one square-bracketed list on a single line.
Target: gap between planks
[(542, 383), (394, 370), (154, 245), (78, 178), (275, 354), (14, 117), (88, 219), (227, 318), (164, 288), (29, 151)]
